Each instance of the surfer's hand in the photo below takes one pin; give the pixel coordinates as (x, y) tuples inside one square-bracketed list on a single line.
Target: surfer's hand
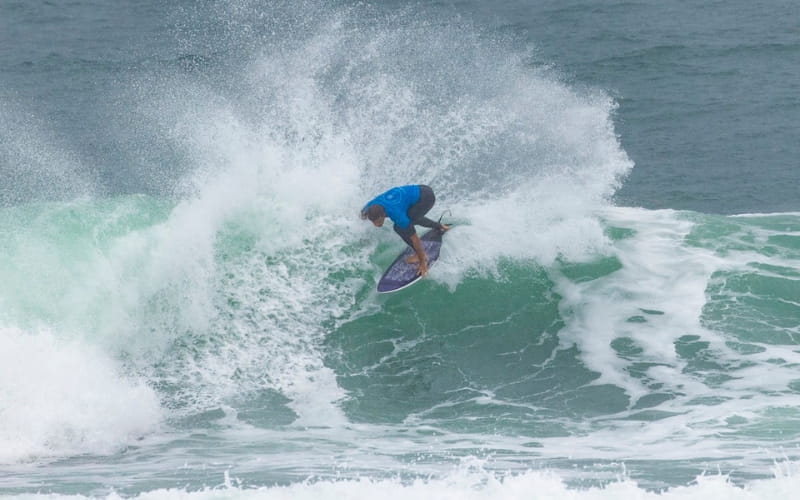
[(423, 268)]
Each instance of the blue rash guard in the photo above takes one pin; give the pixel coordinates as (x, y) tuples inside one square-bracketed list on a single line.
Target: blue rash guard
[(396, 202)]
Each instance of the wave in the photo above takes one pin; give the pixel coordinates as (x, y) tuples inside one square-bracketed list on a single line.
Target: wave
[(228, 280), (239, 298), (675, 318)]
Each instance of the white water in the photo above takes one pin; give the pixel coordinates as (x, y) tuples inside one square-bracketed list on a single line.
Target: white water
[(64, 398), (476, 485)]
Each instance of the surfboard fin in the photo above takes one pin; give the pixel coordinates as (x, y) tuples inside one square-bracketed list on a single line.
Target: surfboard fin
[(440, 220)]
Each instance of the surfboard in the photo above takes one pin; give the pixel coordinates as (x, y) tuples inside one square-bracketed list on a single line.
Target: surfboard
[(400, 274)]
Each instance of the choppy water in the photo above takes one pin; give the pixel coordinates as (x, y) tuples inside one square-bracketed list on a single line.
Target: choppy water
[(187, 302)]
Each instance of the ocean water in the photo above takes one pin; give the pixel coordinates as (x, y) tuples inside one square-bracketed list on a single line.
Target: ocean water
[(187, 304)]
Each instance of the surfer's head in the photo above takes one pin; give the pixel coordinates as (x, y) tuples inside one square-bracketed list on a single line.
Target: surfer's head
[(375, 213)]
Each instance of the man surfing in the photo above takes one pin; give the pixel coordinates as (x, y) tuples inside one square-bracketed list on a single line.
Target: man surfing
[(406, 206)]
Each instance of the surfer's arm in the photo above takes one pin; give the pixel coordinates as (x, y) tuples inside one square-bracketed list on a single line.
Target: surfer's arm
[(416, 244)]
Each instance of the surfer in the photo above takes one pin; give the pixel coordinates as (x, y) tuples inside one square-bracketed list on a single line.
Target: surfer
[(406, 206)]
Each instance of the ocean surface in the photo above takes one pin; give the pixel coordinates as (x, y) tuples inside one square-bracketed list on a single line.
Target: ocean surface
[(187, 293)]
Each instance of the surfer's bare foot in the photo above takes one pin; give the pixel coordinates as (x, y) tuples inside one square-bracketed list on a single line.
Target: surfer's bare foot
[(444, 228), (413, 259)]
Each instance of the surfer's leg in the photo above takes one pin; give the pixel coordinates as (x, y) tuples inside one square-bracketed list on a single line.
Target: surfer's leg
[(405, 234), (426, 222), (417, 211)]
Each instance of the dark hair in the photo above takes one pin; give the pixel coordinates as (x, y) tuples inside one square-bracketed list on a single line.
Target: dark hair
[(375, 212)]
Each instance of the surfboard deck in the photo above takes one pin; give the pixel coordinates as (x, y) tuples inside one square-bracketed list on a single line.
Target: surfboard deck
[(400, 274)]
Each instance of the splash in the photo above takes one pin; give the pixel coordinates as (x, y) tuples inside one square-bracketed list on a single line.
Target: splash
[(268, 145)]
